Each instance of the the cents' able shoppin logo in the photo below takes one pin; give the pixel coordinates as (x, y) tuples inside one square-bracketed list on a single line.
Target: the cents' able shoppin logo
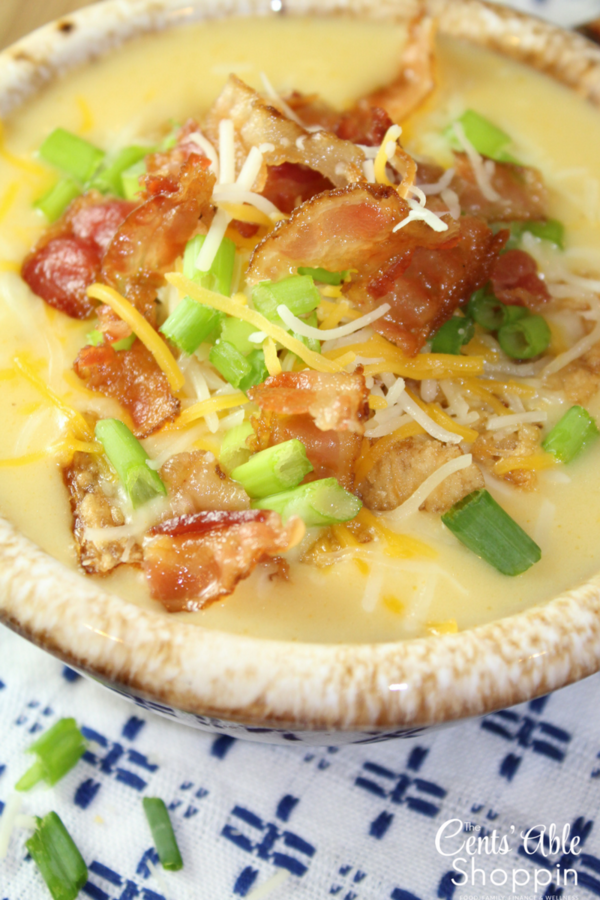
[(462, 841)]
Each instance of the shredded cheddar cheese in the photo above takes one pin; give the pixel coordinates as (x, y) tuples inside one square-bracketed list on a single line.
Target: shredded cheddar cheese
[(212, 405), (144, 331), (87, 118), (78, 424), (271, 359), (8, 198), (399, 546), (376, 402), (534, 463)]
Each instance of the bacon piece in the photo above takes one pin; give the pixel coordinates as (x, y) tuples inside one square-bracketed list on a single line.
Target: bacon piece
[(515, 280), (337, 401), (195, 482), (346, 228), (425, 289), (67, 258), (289, 185), (416, 80), (521, 190), (93, 507), (197, 559), (134, 378), (257, 122), (156, 233), (362, 124), (325, 412)]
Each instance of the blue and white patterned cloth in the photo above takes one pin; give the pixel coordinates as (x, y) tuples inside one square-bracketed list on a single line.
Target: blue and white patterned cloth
[(386, 821), (507, 806)]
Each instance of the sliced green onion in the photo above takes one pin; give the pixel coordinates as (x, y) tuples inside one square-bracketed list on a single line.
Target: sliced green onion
[(220, 275), (258, 371), (190, 324), (170, 139), (323, 502), (514, 313), (487, 138), (228, 360), (71, 154), (57, 751), (129, 459), (55, 854), (124, 343), (323, 275), (547, 229), (485, 309), (56, 200), (571, 434), (109, 180), (525, 338), (274, 470), (95, 338), (234, 449), (452, 335), (298, 293), (485, 528), (237, 332), (130, 179), (157, 815)]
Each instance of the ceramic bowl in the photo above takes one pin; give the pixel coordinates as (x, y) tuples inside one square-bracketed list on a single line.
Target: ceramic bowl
[(272, 690)]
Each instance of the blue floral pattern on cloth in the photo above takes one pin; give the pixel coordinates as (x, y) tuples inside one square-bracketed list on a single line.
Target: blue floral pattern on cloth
[(505, 806)]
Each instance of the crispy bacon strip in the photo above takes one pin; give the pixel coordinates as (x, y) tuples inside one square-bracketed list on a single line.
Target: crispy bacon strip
[(67, 258), (515, 280), (289, 185), (325, 412), (362, 124), (521, 190), (336, 402), (156, 233), (134, 378), (346, 228), (416, 80), (257, 121), (191, 561), (92, 507)]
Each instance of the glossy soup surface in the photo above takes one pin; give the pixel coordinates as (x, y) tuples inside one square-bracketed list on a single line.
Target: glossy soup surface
[(177, 74)]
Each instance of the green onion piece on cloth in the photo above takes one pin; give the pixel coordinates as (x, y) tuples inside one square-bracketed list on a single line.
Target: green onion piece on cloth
[(274, 470), (571, 434), (485, 528), (323, 502), (129, 459), (162, 833), (54, 852), (57, 751)]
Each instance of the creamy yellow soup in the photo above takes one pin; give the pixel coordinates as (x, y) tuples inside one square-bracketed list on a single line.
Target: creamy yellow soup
[(132, 94)]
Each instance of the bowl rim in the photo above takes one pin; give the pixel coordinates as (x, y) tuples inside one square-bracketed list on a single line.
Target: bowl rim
[(315, 687)]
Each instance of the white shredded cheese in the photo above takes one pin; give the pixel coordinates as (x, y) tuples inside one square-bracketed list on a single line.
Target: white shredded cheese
[(372, 589), (274, 96), (419, 213), (429, 389), (330, 334), (8, 821), (483, 173), (431, 427), (451, 200), (495, 423), (416, 500), (438, 186), (192, 370), (563, 359), (215, 235), (226, 151), (258, 337), (250, 169), (231, 193), (266, 148), (369, 170)]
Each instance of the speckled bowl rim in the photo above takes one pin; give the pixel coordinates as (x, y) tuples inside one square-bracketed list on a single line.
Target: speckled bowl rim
[(276, 684)]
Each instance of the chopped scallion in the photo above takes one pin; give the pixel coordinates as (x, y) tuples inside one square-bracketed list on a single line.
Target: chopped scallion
[(71, 154), (486, 310), (56, 200), (57, 751), (129, 459), (55, 854), (298, 293), (237, 332), (452, 335), (232, 364), (220, 275), (234, 448), (323, 275), (162, 834), (124, 343), (274, 470), (485, 528), (95, 338), (323, 502), (109, 179), (190, 324), (571, 434), (487, 138), (546, 229), (258, 371), (525, 338)]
